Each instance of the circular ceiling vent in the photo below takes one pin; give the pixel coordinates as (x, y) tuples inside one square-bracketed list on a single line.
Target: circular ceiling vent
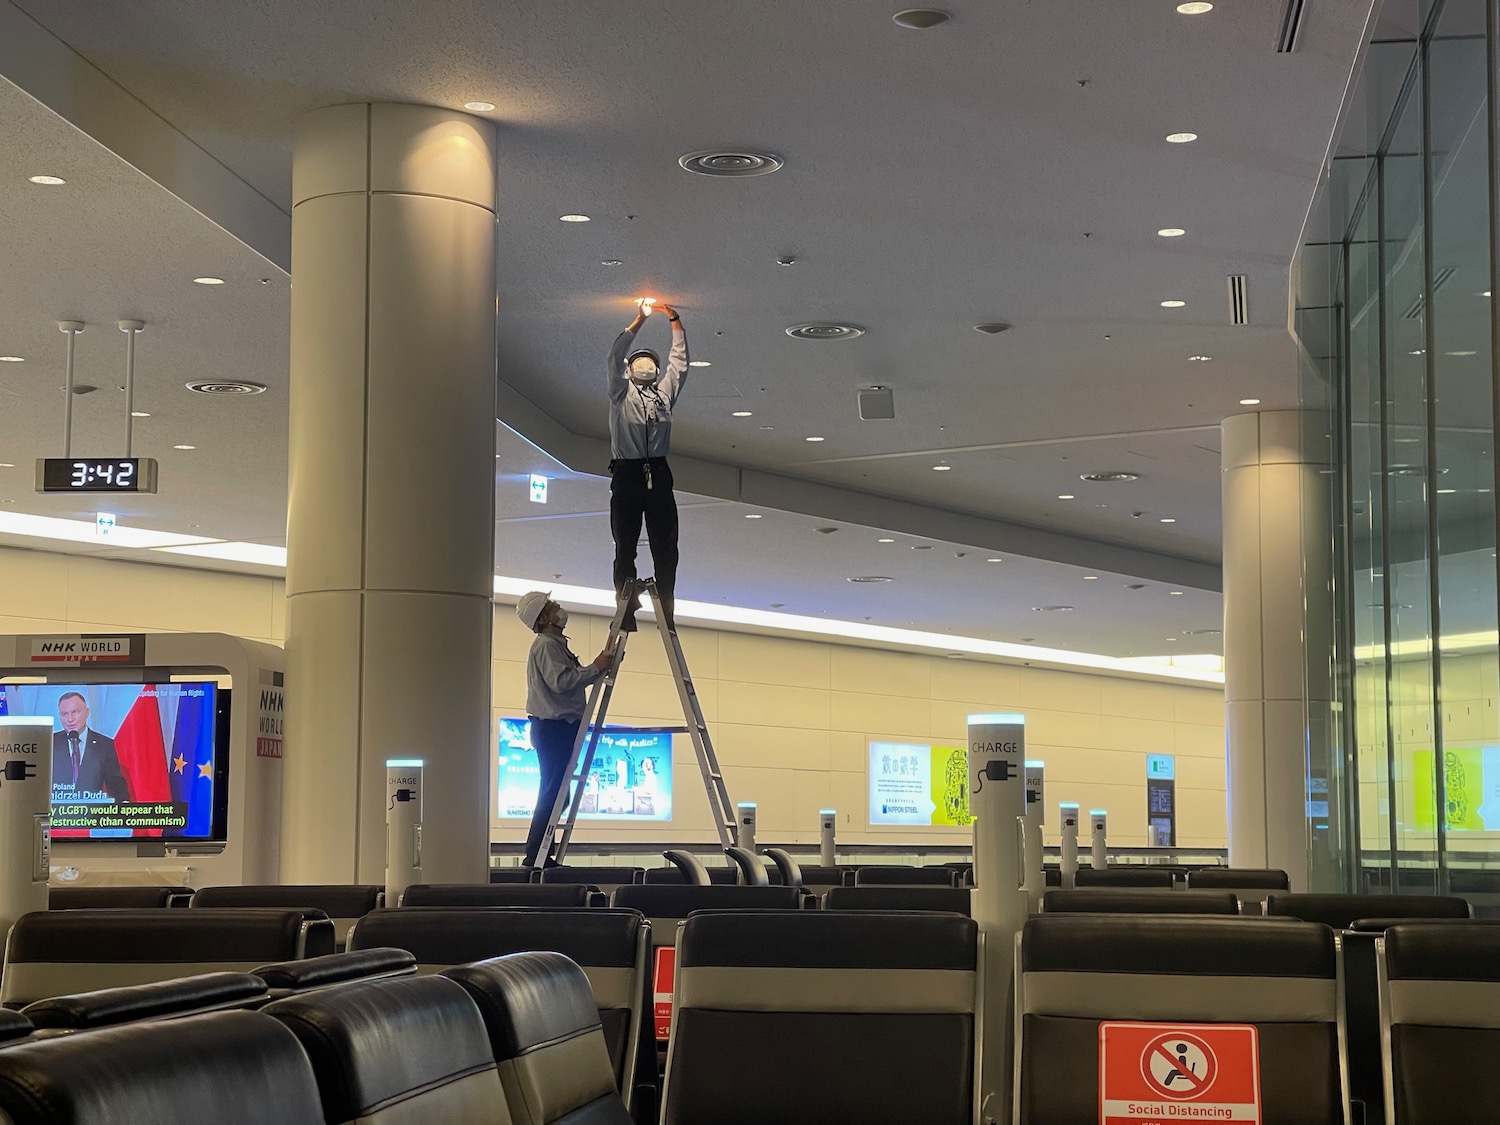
[(920, 19), (824, 331), (727, 162), (1110, 478), (870, 578), (1051, 609), (993, 329), (225, 387)]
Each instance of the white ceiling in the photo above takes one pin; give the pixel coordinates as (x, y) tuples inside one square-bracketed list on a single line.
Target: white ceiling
[(1006, 166)]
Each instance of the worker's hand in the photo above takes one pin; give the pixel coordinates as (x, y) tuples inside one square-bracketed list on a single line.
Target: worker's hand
[(606, 657), (669, 310), (647, 305)]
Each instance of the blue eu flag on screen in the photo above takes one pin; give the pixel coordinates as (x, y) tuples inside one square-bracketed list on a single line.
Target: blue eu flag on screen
[(192, 761)]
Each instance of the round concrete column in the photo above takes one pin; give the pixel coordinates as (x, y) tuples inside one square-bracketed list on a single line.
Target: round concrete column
[(1276, 651), (390, 522)]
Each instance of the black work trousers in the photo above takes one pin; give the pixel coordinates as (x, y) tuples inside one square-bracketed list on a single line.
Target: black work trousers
[(552, 739), (642, 489)]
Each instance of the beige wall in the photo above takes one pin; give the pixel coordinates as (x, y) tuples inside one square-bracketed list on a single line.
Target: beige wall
[(791, 718)]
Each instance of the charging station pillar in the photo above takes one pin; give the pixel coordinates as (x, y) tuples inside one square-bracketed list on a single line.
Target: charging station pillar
[(25, 814), (827, 822), (1068, 816), (1034, 818), (403, 827), (745, 817), (1098, 826), (997, 798)]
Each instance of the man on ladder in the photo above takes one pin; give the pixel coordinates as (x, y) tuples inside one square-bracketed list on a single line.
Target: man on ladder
[(641, 398), (556, 686)]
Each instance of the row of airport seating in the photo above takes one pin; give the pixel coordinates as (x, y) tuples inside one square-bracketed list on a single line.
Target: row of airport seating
[(852, 988)]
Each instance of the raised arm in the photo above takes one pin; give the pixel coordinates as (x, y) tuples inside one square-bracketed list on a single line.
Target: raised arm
[(674, 378), (616, 384)]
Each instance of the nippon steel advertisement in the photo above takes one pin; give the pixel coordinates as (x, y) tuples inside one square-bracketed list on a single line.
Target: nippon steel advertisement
[(631, 778), (918, 785)]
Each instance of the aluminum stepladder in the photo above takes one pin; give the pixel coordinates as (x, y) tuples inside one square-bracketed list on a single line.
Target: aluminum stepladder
[(560, 827)]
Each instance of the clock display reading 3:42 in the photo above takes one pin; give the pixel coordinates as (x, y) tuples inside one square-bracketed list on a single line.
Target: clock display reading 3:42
[(96, 474)]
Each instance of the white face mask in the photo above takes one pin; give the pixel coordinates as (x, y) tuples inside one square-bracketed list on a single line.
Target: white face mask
[(560, 618)]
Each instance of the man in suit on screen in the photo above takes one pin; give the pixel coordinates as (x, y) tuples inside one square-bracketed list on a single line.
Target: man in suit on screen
[(83, 760)]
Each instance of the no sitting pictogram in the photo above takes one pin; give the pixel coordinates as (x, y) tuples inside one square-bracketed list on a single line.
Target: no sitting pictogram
[(1153, 1074)]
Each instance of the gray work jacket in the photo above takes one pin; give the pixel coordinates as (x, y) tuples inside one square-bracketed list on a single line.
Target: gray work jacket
[(640, 421)]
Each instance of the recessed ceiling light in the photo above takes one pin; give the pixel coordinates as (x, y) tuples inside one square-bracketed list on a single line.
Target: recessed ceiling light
[(208, 281), (611, 262), (12, 359), (574, 218), (1195, 7), (742, 414), (700, 363), (1171, 232), (1446, 491), (726, 162), (920, 19), (1091, 578), (479, 107), (885, 540), (1181, 138), (1176, 593), (812, 439), (1066, 496), (1249, 402), (753, 516), (1173, 304), (941, 468), (1199, 358), (184, 447), (139, 414), (1168, 519), (6, 465), (47, 181), (994, 560)]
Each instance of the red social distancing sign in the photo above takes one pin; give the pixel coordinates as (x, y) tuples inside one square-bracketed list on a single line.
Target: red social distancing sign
[(1159, 1073), (661, 988)]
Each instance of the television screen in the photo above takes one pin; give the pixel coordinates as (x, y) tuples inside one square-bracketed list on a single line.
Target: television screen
[(918, 785), (631, 778), (133, 760)]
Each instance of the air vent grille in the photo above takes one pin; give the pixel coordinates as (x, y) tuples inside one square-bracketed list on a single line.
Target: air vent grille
[(1239, 299), (1418, 307), (1291, 26)]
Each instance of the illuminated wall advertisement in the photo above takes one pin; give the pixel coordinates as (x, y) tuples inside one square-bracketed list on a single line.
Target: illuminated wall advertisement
[(631, 778), (918, 785), (1471, 789)]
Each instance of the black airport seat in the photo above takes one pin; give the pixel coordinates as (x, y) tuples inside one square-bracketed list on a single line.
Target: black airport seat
[(1052, 876), (117, 898), (163, 999), (604, 879), (514, 874), (1440, 1018), (544, 1032), (1135, 876), (343, 904), (819, 879), (1280, 976), (903, 877), (13, 1026), (673, 877), (1253, 885), (226, 1068), (665, 906), (610, 946), (58, 953), (845, 988), (952, 900), (1339, 911), (1104, 900), (395, 1052), (553, 897), (286, 978)]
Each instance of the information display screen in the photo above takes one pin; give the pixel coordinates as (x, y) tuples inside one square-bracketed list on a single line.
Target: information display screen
[(1471, 789), (133, 760), (631, 777), (918, 785)]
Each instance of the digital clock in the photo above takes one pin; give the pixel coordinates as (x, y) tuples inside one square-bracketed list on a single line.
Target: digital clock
[(96, 474)]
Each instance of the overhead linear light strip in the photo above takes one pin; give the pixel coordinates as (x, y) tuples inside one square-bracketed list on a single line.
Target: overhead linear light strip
[(1199, 669)]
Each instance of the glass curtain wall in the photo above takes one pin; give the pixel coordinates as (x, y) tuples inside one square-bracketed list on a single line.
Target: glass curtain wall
[(1397, 326)]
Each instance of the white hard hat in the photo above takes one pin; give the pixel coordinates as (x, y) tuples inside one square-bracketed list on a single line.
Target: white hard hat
[(530, 607)]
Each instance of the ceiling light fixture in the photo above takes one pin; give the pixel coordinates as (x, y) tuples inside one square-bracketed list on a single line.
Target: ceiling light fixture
[(1168, 519), (1051, 609), (1199, 358), (994, 560), (1171, 232), (1173, 304), (1181, 138), (1419, 351), (47, 181), (1486, 293), (742, 414), (731, 163), (612, 262), (994, 328), (208, 281), (1460, 353), (812, 439), (574, 218), (258, 554), (700, 363), (941, 468), (824, 330), (139, 414), (1175, 593), (870, 578), (1446, 491), (1249, 402), (885, 540), (12, 359), (1091, 578), (225, 387), (1066, 496), (920, 19), (753, 516), (1195, 7), (184, 447), (7, 465), (479, 107)]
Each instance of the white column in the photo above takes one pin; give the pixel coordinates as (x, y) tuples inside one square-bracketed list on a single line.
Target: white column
[(390, 524), (1276, 583)]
